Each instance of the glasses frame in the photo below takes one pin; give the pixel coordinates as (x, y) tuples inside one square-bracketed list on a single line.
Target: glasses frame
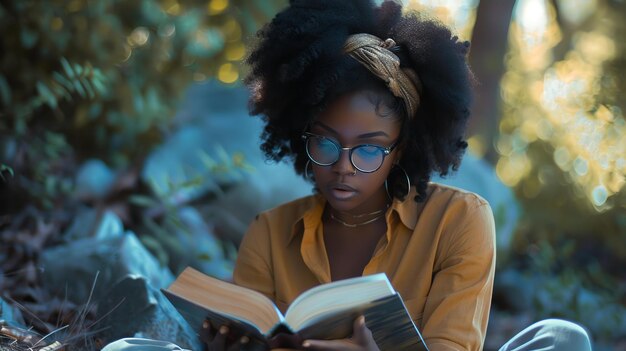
[(386, 151)]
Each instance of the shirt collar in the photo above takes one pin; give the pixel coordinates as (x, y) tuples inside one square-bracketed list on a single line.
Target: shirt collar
[(408, 211), (311, 216)]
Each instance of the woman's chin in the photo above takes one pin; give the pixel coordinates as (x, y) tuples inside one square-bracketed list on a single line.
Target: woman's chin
[(342, 201)]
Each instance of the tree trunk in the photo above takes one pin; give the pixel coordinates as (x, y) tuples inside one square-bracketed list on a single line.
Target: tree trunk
[(489, 46)]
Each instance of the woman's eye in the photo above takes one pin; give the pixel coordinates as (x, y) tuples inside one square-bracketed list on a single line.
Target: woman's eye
[(369, 151), (325, 143)]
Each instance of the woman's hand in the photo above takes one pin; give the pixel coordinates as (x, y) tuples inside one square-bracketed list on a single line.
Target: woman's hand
[(361, 340), (222, 339)]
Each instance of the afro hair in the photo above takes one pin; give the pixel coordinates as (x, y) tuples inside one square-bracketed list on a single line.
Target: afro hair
[(298, 67)]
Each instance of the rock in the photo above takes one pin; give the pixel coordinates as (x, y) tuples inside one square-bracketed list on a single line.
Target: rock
[(268, 186), (200, 248), (86, 224), (11, 315), (215, 121), (175, 170), (134, 308), (93, 180), (74, 266)]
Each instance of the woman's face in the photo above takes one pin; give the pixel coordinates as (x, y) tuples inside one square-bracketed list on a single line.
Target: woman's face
[(349, 121)]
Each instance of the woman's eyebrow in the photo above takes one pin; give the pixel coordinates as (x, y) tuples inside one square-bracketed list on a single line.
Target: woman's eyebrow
[(362, 136), (372, 134), (328, 129)]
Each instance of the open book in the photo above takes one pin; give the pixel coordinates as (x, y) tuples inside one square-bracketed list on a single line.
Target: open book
[(326, 311)]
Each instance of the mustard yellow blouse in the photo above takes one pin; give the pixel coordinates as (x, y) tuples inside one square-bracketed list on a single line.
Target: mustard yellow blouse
[(438, 254)]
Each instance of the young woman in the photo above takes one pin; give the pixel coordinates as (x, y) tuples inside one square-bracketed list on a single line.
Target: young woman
[(368, 103)]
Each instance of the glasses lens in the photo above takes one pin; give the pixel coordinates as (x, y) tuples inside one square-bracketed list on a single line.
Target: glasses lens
[(322, 150), (367, 158)]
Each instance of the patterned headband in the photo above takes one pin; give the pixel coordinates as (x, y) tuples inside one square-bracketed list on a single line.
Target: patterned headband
[(375, 54)]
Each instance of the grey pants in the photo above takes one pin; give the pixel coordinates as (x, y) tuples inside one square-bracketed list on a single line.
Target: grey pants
[(550, 334), (546, 335)]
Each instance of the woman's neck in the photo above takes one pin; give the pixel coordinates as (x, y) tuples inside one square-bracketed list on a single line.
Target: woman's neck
[(374, 208)]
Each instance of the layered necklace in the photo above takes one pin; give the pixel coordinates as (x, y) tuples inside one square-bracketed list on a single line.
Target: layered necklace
[(378, 215)]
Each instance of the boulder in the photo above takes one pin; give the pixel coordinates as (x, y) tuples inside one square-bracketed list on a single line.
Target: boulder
[(73, 267), (198, 246), (94, 180), (88, 225), (133, 308)]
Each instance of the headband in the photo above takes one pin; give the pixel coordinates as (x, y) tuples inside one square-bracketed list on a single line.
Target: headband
[(375, 54)]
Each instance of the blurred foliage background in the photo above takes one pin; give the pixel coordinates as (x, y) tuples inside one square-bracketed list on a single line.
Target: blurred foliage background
[(82, 79)]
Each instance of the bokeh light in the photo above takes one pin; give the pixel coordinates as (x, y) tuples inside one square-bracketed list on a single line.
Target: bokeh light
[(559, 103), (459, 15)]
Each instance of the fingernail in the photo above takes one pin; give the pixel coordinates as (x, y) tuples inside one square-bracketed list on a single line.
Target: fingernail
[(205, 325), (306, 344), (223, 330), (362, 321), (244, 340)]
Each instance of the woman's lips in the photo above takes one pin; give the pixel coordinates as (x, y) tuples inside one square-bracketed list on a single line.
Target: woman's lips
[(342, 191)]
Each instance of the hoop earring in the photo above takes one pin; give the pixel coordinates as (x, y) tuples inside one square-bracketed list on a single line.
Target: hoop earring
[(387, 190), (307, 175), (408, 183)]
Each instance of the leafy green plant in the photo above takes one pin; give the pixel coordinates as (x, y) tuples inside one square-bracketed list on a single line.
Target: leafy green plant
[(161, 208), (109, 74), (102, 79), (84, 81), (576, 289)]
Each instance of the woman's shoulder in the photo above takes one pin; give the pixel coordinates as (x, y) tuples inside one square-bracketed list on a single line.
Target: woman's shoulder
[(447, 195), (450, 204), (459, 214)]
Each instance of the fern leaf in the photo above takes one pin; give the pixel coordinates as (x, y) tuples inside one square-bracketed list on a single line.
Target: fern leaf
[(46, 94), (67, 67), (206, 159), (86, 82), (78, 69), (59, 78), (98, 84), (222, 154), (78, 87)]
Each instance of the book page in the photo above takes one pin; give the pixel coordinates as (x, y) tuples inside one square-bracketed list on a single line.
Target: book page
[(227, 299), (336, 296)]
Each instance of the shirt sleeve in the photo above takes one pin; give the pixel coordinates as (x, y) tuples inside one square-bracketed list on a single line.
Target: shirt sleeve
[(253, 268), (457, 307)]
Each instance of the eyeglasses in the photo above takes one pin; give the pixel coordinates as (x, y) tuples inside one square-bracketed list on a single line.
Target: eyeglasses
[(324, 151)]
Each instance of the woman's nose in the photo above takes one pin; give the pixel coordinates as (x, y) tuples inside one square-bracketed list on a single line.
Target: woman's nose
[(343, 164)]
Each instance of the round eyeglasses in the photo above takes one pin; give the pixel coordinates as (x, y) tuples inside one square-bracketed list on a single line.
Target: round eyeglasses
[(324, 151)]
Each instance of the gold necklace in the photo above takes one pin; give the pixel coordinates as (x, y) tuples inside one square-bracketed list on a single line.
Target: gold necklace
[(366, 214), (354, 225)]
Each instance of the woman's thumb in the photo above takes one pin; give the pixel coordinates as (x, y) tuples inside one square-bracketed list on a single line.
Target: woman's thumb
[(360, 331)]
